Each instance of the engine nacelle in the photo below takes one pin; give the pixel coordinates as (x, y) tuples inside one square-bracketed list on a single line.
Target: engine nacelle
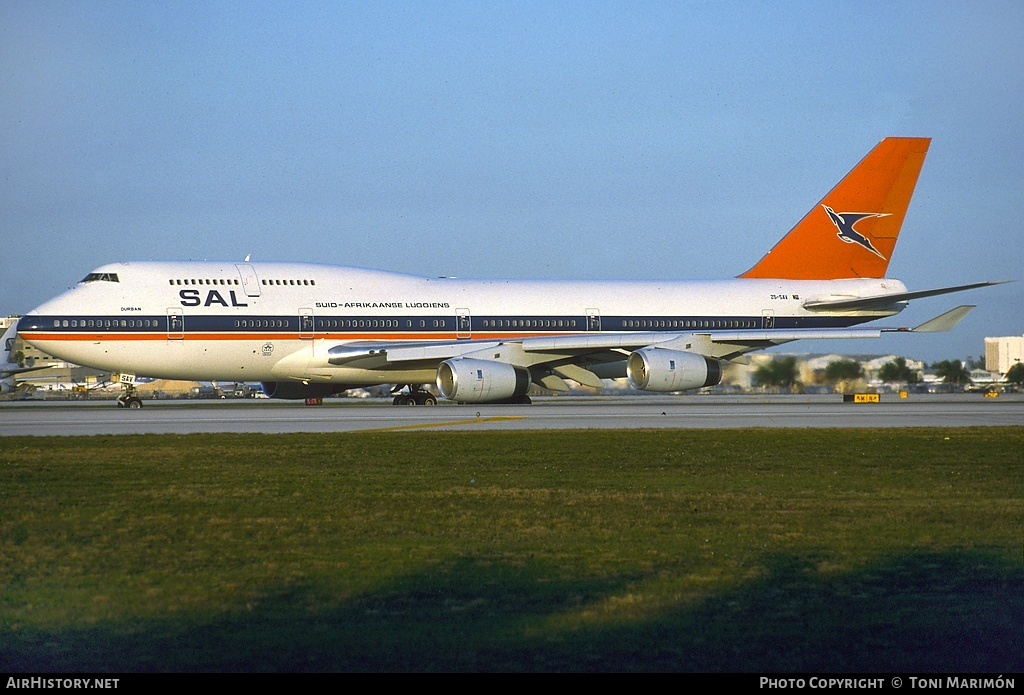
[(7, 386), (657, 369), (481, 381), (296, 391)]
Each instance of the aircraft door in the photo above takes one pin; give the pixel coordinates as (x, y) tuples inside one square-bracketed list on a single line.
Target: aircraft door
[(250, 283), (306, 324), (593, 321), (463, 324), (175, 324), (768, 319)]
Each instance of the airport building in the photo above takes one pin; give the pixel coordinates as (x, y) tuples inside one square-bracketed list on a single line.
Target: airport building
[(1002, 353)]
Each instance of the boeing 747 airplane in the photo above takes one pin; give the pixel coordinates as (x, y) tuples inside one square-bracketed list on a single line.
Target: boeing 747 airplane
[(309, 330)]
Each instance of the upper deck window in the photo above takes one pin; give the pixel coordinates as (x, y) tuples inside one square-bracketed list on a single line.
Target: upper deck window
[(105, 277)]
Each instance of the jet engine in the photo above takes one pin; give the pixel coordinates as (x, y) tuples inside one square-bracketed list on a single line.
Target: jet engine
[(481, 381), (7, 385), (298, 391), (657, 369)]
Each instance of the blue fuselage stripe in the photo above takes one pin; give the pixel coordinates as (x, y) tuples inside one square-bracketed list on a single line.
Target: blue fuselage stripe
[(207, 323)]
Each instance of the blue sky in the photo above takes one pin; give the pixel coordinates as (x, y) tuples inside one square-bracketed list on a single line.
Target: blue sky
[(507, 139)]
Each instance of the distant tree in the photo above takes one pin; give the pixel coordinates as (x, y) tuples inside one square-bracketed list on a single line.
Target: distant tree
[(1016, 374), (843, 370), (952, 372), (897, 371), (781, 372), (842, 373)]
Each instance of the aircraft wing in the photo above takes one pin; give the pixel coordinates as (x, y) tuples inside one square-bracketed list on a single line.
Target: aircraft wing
[(579, 344), (580, 356)]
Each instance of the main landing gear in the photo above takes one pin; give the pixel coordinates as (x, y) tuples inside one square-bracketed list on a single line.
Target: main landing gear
[(416, 396), (129, 398)]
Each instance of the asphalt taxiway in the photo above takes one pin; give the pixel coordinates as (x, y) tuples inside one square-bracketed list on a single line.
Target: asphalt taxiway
[(48, 418)]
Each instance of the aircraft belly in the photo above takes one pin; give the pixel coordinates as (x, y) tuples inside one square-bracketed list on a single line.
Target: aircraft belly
[(168, 359), (205, 360)]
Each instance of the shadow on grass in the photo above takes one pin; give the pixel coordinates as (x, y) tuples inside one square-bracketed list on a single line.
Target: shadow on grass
[(917, 612)]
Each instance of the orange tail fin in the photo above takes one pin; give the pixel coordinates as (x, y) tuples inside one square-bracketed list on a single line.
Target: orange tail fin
[(851, 233)]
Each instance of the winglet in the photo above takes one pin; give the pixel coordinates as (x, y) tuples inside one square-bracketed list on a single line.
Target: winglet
[(852, 232), (944, 322)]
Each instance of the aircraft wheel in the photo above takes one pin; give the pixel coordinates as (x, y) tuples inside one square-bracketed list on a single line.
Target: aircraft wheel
[(424, 398), (135, 403)]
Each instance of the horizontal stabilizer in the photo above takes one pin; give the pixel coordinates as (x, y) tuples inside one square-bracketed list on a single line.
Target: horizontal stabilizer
[(945, 322), (884, 300)]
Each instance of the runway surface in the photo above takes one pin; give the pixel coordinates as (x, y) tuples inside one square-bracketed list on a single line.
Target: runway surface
[(576, 413)]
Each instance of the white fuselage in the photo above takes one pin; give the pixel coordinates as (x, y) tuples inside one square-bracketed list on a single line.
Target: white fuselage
[(276, 321)]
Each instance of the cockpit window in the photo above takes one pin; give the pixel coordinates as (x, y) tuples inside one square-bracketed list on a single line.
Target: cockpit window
[(105, 277)]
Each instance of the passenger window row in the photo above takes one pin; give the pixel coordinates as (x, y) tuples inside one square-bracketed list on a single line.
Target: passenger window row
[(205, 281), (675, 323), (529, 323), (105, 323), (288, 282)]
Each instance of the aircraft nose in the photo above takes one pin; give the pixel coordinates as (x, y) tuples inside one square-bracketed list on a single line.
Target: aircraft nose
[(41, 317)]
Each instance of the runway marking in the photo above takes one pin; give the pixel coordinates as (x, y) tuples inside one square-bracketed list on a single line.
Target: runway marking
[(496, 418), (71, 419)]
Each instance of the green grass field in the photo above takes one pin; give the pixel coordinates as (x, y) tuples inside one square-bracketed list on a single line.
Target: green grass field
[(757, 550)]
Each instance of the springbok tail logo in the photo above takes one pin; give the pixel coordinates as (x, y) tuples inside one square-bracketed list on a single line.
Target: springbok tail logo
[(845, 222)]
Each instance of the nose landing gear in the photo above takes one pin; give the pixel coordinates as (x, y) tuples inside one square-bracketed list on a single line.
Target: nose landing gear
[(129, 398)]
